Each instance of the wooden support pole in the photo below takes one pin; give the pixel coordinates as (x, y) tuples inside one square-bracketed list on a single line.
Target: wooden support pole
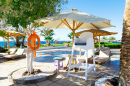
[(8, 44), (99, 43), (73, 36)]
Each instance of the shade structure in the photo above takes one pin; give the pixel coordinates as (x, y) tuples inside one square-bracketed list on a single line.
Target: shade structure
[(74, 20), (12, 33), (97, 33)]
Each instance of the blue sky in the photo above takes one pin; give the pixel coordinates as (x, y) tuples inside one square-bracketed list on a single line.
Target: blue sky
[(109, 9)]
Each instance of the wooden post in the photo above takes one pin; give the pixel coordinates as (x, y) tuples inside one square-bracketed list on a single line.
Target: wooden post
[(99, 43), (8, 44), (73, 36)]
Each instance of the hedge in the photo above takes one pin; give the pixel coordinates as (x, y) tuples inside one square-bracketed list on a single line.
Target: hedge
[(108, 44)]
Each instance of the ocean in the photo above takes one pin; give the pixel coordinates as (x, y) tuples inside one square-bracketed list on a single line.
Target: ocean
[(12, 43)]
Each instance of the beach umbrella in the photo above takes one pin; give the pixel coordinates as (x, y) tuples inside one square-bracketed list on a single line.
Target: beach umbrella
[(97, 33), (74, 20), (12, 33)]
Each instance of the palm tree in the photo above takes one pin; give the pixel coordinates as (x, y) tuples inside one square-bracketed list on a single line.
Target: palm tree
[(70, 35), (124, 74), (104, 38), (111, 38), (47, 33)]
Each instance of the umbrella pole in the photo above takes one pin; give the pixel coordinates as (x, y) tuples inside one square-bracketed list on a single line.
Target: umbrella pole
[(8, 44), (73, 37), (99, 43)]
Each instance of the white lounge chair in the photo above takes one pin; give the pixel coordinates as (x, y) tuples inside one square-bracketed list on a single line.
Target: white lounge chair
[(19, 53), (12, 51), (104, 56)]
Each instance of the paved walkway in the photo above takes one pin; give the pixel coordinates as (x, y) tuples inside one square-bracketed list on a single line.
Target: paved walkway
[(45, 56)]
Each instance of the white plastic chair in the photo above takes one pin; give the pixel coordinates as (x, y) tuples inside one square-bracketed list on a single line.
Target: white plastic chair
[(84, 42)]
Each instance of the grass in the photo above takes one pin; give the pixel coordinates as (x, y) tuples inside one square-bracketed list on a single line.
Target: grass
[(45, 45)]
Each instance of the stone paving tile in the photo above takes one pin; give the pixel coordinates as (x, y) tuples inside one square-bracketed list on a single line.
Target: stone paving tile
[(58, 77), (61, 79), (44, 83), (55, 84), (75, 84), (5, 83), (64, 81)]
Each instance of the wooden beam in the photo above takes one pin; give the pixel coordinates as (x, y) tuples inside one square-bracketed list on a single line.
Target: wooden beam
[(44, 23), (59, 24), (67, 25), (8, 44), (94, 26), (80, 23), (99, 43), (73, 36), (73, 24), (106, 23)]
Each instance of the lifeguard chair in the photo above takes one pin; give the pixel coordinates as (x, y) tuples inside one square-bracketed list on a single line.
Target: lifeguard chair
[(86, 43)]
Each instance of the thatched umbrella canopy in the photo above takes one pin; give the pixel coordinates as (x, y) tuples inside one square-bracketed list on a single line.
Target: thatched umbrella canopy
[(97, 32)]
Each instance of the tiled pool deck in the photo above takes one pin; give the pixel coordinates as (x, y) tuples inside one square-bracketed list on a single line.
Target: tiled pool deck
[(44, 57)]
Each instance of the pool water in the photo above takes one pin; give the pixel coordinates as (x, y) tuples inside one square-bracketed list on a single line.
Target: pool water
[(48, 56)]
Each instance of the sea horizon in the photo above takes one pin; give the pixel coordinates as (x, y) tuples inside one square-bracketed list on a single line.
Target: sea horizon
[(12, 43)]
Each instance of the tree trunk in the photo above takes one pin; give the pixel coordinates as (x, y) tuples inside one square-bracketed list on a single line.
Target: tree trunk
[(124, 74), (28, 57), (17, 38)]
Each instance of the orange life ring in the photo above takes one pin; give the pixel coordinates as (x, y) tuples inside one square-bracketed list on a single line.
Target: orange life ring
[(33, 37)]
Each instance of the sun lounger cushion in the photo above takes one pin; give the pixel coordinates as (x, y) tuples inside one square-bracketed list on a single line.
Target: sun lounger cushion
[(12, 51), (100, 60), (11, 56), (19, 51), (104, 53), (103, 57)]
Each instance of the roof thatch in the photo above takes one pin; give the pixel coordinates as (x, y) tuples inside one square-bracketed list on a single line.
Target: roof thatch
[(97, 32)]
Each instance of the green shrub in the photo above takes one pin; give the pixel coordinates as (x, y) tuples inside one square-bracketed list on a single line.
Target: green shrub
[(5, 49), (104, 43), (111, 45), (66, 42)]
